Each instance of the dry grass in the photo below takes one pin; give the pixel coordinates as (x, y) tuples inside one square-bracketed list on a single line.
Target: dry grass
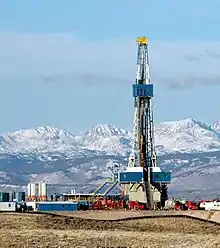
[(114, 215), (27, 230)]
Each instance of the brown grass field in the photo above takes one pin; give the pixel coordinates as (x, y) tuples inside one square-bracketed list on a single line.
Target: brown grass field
[(71, 230)]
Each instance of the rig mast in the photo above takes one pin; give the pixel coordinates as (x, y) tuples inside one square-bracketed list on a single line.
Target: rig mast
[(143, 133)]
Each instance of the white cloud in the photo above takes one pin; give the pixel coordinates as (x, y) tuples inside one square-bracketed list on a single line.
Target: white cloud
[(46, 56)]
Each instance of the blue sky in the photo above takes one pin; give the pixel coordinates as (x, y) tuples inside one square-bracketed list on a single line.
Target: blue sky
[(71, 64)]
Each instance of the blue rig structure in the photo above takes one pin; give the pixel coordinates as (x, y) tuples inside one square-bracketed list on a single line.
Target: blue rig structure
[(143, 181)]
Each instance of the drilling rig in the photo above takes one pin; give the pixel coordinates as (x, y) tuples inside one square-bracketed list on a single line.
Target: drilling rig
[(143, 180)]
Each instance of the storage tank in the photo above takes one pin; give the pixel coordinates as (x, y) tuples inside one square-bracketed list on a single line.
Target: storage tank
[(20, 196), (43, 191), (33, 191), (4, 197), (29, 191)]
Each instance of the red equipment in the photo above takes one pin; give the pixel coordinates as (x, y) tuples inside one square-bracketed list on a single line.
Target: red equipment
[(137, 205), (189, 205), (179, 206), (192, 205), (107, 204)]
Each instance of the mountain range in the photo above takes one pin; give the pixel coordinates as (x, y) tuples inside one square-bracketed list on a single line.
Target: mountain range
[(190, 148)]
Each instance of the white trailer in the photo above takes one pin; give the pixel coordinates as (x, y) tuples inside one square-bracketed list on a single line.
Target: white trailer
[(10, 207), (212, 206)]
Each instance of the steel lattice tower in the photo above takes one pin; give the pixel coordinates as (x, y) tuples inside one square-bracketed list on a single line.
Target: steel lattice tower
[(143, 154), (143, 130)]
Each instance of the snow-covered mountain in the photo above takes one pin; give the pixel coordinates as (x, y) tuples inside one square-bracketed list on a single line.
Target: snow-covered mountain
[(188, 147), (187, 135), (34, 139)]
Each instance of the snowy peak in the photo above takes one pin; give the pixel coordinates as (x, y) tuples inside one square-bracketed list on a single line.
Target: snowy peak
[(39, 132), (42, 137), (188, 135), (108, 138), (188, 126), (104, 131), (181, 125)]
